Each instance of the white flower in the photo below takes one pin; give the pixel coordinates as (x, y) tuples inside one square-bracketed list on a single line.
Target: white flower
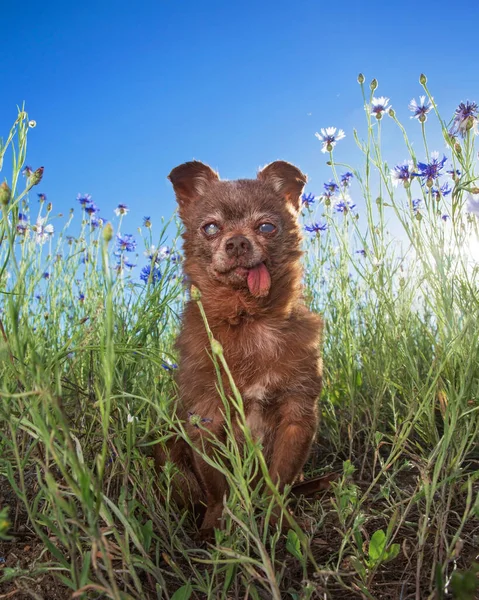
[(473, 204), (42, 232), (379, 105), (329, 138)]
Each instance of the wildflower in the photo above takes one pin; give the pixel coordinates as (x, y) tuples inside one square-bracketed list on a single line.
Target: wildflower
[(146, 222), (444, 190), (121, 209), (473, 204), (454, 173), (27, 171), (42, 231), (329, 138), (346, 179), (94, 222), (196, 420), (91, 208), (84, 199), (168, 365), (81, 297), (159, 254), (42, 197), (445, 217), (344, 205), (128, 264), (85, 258), (316, 227), (149, 274), (402, 174), (46, 275), (32, 123), (378, 106), (416, 205), (465, 118), (5, 194), (36, 176), (308, 199), (331, 187), (125, 242), (420, 110), (22, 224), (362, 252), (431, 171)]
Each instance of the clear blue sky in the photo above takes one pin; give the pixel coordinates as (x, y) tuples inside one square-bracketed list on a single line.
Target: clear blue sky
[(124, 91)]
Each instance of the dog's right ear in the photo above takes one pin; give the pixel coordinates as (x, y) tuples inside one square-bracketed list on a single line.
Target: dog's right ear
[(190, 181)]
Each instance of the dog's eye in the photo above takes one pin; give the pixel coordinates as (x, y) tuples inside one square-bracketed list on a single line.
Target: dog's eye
[(211, 229), (266, 228)]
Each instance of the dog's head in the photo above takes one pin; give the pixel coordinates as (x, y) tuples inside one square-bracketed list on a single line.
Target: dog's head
[(243, 234)]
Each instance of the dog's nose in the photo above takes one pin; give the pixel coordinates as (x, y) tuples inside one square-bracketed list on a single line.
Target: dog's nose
[(237, 246)]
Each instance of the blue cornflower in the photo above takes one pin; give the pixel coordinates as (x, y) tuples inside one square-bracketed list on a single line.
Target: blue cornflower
[(168, 365), (22, 224), (121, 209), (316, 227), (85, 258), (416, 205), (146, 222), (81, 297), (346, 179), (420, 110), (445, 217), (362, 252), (42, 197), (84, 199), (344, 206), (331, 186), (454, 173), (444, 190), (465, 118), (431, 171), (329, 138), (91, 208), (402, 174), (128, 264), (378, 106), (148, 274), (125, 242), (46, 275), (27, 170), (308, 199), (94, 222)]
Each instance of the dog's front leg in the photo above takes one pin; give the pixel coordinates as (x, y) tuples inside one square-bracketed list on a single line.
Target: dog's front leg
[(298, 423), (213, 481)]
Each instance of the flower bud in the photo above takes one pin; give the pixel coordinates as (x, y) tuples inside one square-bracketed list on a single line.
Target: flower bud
[(32, 123), (392, 113), (107, 233), (457, 148), (216, 347), (429, 183), (379, 116), (329, 147), (36, 176), (418, 216), (470, 122), (422, 79), (195, 293), (360, 78), (49, 206), (422, 118), (373, 85), (5, 194)]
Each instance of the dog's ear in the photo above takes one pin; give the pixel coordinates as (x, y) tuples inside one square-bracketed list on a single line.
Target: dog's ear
[(190, 181), (286, 179)]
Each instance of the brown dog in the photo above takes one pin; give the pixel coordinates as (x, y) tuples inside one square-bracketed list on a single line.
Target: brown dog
[(242, 251)]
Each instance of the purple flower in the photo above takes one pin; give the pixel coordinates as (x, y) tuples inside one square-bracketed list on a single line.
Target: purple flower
[(308, 199), (316, 227), (455, 174), (420, 109), (416, 205), (402, 174), (81, 297), (121, 209), (146, 222), (465, 118), (94, 222), (42, 231), (346, 179), (344, 206), (84, 199), (128, 264), (150, 275), (168, 365), (445, 217), (27, 170), (197, 420), (378, 106), (22, 224), (46, 275), (362, 252), (431, 171), (42, 197), (444, 190), (329, 138), (331, 187), (125, 242), (91, 208)]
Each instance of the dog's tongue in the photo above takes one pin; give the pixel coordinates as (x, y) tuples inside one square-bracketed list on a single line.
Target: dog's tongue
[(259, 280)]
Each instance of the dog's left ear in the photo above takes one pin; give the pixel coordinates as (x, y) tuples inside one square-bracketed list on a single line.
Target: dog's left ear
[(286, 179)]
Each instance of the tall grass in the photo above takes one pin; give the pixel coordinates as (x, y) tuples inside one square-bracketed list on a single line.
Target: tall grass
[(86, 386)]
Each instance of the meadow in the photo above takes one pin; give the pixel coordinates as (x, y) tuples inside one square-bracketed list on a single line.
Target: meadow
[(88, 316)]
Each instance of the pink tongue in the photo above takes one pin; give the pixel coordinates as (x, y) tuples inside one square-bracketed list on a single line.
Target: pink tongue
[(259, 280)]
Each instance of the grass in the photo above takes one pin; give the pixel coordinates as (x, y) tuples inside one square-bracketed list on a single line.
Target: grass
[(87, 387)]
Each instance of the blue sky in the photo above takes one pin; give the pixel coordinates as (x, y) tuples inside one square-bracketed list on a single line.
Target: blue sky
[(122, 92)]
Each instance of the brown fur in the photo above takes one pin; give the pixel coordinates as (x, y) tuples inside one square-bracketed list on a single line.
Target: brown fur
[(271, 342)]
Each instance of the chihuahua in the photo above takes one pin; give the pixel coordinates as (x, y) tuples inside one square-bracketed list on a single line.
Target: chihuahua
[(242, 249)]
